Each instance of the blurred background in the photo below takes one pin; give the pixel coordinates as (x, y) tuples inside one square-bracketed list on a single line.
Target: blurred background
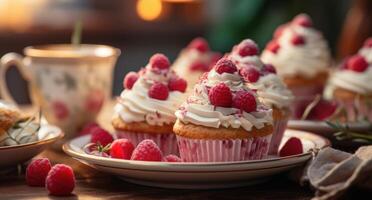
[(141, 28)]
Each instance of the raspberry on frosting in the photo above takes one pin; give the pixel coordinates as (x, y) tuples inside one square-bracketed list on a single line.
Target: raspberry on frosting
[(297, 40), (129, 80), (225, 65), (357, 63), (250, 74), (220, 95), (269, 68), (199, 44), (245, 101), (159, 61), (303, 20), (247, 48), (177, 84), (273, 46), (158, 91)]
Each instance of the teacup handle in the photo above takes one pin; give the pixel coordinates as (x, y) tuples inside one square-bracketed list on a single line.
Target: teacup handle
[(7, 61)]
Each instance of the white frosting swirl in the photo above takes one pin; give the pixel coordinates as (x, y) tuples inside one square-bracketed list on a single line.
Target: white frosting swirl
[(366, 52), (272, 91), (306, 60), (246, 60), (198, 110), (359, 82), (136, 106)]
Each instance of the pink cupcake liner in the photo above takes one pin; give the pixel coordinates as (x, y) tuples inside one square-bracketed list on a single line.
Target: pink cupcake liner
[(355, 110), (166, 142), (201, 150), (279, 128)]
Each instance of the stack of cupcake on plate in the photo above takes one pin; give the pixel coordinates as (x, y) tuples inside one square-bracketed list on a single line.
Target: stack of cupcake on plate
[(351, 85), (269, 87), (145, 109), (194, 60), (302, 58)]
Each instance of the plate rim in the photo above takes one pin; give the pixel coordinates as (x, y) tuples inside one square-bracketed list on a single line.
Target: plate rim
[(68, 150), (60, 134)]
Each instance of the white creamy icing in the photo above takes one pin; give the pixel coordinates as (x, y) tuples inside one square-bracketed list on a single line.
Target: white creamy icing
[(272, 91), (359, 82), (305, 60), (198, 110), (246, 60), (366, 52), (135, 105), (184, 61)]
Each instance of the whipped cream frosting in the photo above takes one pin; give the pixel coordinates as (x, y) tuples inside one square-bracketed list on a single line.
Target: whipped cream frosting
[(135, 105), (354, 81), (306, 60), (198, 109)]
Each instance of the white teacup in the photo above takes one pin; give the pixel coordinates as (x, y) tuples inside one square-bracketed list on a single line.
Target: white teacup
[(69, 83)]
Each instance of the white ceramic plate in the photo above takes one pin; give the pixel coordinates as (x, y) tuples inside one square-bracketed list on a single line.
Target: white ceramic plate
[(197, 175), (13, 155), (322, 128)]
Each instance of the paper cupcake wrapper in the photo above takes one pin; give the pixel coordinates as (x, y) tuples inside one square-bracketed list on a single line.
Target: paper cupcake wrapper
[(166, 142), (202, 150), (279, 128), (355, 110)]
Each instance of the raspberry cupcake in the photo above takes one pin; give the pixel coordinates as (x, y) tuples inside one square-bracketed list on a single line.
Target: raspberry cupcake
[(301, 57), (269, 87), (194, 60), (352, 85), (145, 109), (223, 120)]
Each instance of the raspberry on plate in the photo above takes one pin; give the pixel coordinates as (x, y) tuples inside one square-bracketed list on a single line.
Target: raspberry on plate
[(172, 158), (199, 44), (122, 149), (101, 136), (357, 63), (220, 95), (60, 180), (293, 146), (158, 91), (159, 61), (129, 80), (177, 84), (247, 48), (250, 74), (225, 66), (147, 150), (245, 101), (37, 171)]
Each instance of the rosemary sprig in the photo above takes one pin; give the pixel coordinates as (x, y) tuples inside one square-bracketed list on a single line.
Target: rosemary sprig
[(343, 132)]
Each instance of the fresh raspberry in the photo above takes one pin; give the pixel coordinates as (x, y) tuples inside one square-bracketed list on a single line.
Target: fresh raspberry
[(297, 40), (199, 44), (368, 43), (245, 101), (159, 61), (101, 136), (122, 149), (323, 110), (269, 68), (147, 150), (293, 146), (60, 180), (172, 158), (273, 46), (225, 66), (302, 20), (247, 48), (357, 63), (279, 31), (177, 84), (60, 110), (129, 80), (158, 91), (199, 66), (37, 171), (88, 128), (250, 74), (220, 95)]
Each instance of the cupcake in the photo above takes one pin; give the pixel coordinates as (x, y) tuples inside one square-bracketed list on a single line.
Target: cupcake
[(223, 120), (269, 87), (301, 57), (351, 85), (194, 60), (145, 109)]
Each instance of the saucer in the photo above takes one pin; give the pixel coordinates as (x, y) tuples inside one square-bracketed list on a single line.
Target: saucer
[(198, 175), (17, 154)]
